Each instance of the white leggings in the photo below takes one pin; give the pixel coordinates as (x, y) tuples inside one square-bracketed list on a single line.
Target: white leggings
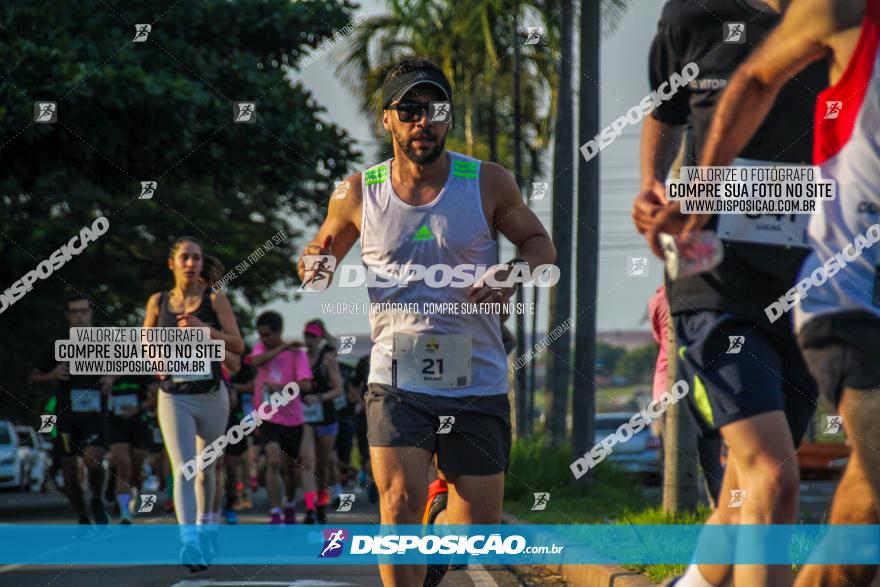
[(189, 422)]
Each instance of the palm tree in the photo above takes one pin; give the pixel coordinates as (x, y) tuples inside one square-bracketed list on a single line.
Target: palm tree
[(584, 396), (472, 41), (559, 366)]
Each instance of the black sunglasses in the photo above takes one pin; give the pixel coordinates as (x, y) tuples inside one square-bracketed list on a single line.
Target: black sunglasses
[(439, 112)]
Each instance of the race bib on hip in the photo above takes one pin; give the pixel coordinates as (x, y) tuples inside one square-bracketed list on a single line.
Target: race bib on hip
[(339, 402), (190, 378), (85, 400), (438, 361), (247, 402), (125, 405), (313, 413)]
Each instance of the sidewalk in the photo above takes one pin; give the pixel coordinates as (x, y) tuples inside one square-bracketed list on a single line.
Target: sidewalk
[(577, 575)]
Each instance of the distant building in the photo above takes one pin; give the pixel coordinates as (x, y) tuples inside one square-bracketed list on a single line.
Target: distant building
[(628, 339)]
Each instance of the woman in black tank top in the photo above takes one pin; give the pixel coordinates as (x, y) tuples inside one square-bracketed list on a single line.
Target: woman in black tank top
[(194, 407), (326, 386)]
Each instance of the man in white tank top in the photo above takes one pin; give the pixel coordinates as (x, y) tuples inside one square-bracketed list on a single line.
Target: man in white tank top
[(438, 380), (838, 321)]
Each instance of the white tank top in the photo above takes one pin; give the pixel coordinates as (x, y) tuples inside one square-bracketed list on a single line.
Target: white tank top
[(847, 125), (451, 230)]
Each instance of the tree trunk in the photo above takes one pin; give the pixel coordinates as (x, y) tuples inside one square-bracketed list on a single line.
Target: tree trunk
[(559, 352), (523, 423), (584, 397)]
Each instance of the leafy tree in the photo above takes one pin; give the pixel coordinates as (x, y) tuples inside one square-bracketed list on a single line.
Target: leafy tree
[(607, 357), (159, 110), (637, 366)]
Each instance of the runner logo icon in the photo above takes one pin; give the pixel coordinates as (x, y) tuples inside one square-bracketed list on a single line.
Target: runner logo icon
[(148, 501), (833, 424), (735, 32), (346, 344), (638, 266), (832, 109), (333, 543), (737, 496), (47, 423), (539, 190), (440, 111), (45, 112), (341, 190), (346, 500), (148, 188), (244, 112), (541, 500), (535, 34), (141, 32), (318, 269), (446, 423), (736, 344)]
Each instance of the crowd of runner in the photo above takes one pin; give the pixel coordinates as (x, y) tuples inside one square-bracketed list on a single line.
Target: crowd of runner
[(113, 424), (427, 205)]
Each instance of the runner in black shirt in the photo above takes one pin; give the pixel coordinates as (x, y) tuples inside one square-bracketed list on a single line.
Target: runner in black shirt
[(82, 418), (130, 434), (320, 415), (749, 395)]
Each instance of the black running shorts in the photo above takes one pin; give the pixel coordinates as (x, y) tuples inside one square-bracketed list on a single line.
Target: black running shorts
[(288, 438), (841, 350), (476, 442)]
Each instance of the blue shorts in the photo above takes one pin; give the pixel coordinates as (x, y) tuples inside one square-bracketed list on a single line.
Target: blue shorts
[(331, 429), (736, 369)]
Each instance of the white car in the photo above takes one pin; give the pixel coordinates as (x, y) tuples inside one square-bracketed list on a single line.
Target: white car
[(11, 465), (34, 457)]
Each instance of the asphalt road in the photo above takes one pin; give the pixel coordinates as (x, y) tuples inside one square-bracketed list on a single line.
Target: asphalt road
[(53, 508), (29, 508)]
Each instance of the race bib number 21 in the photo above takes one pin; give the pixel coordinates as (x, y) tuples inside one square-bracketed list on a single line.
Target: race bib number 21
[(431, 361)]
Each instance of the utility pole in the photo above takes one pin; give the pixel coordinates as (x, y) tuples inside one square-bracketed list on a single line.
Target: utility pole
[(680, 434)]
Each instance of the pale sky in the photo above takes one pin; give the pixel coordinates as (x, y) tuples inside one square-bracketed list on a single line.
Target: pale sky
[(622, 299)]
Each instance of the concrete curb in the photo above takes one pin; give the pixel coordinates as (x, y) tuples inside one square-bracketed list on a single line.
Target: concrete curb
[(591, 575)]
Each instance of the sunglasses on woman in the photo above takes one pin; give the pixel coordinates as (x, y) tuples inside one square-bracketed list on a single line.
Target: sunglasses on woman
[(438, 112)]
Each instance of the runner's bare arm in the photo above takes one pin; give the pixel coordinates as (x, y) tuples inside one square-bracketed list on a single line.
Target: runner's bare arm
[(342, 225), (151, 318), (228, 331), (512, 218), (660, 145), (335, 377), (232, 362), (803, 37)]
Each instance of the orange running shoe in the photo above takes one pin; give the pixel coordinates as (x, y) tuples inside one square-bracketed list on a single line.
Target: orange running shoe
[(438, 495)]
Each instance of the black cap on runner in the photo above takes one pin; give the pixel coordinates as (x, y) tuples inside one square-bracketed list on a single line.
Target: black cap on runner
[(394, 89)]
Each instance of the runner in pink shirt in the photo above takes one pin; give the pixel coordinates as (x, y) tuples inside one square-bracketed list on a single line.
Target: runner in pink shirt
[(658, 312), (279, 363)]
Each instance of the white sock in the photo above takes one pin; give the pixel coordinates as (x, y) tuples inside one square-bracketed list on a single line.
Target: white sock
[(204, 519), (693, 578)]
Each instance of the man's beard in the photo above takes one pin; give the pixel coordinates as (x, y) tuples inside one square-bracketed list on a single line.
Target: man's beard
[(426, 158)]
